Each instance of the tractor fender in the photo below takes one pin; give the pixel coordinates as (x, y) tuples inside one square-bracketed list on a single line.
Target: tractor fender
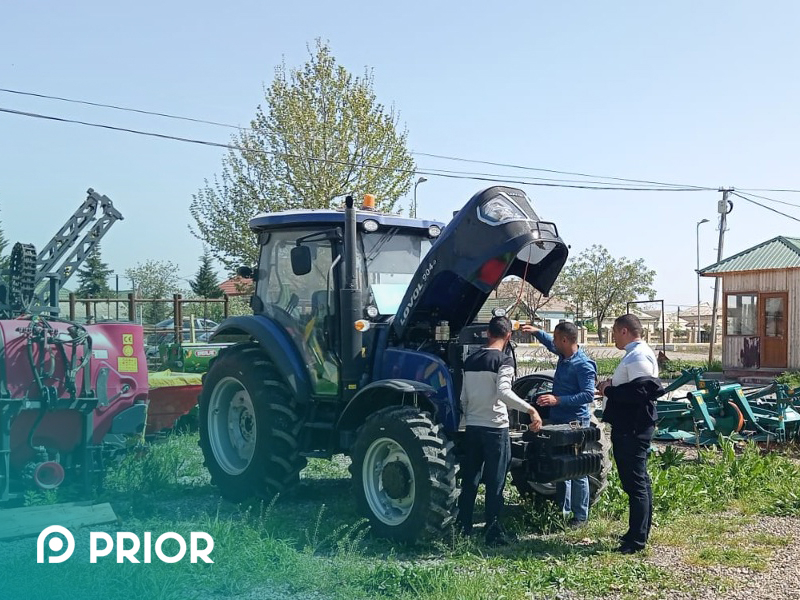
[(381, 394), (276, 344)]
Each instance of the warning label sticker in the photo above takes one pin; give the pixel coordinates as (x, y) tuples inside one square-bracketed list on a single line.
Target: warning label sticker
[(127, 339), (127, 350), (127, 364)]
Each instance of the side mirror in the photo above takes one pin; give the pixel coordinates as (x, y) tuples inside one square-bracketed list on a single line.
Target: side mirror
[(245, 272), (301, 260)]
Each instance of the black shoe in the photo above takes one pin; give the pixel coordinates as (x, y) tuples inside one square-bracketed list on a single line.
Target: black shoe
[(497, 536), (628, 549), (462, 529), (497, 540), (576, 524)]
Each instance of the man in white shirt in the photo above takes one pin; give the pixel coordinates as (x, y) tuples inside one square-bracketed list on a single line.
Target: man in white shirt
[(630, 410), (485, 395)]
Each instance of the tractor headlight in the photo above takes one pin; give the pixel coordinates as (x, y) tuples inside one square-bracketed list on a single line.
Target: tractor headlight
[(500, 209), (370, 225), (372, 311), (434, 231), (498, 312)]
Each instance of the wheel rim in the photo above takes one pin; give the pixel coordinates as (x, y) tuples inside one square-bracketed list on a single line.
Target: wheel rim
[(389, 484), (232, 426)]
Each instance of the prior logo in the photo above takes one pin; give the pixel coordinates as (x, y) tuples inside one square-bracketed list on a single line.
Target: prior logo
[(55, 544)]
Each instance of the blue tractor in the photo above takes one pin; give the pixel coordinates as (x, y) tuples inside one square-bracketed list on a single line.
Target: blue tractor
[(361, 324)]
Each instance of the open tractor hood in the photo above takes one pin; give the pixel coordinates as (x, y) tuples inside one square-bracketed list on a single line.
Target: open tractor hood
[(496, 234)]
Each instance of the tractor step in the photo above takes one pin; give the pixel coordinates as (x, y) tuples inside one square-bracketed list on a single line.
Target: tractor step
[(316, 454), (319, 425)]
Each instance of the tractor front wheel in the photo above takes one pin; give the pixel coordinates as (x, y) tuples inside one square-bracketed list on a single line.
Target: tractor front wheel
[(404, 473)]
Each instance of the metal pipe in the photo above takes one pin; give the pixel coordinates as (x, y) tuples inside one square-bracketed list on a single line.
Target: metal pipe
[(48, 475), (697, 271), (351, 305)]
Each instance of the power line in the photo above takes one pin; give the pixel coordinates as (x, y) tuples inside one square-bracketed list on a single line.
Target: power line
[(426, 154), (120, 108), (767, 190), (525, 168), (765, 206), (769, 199), (431, 172)]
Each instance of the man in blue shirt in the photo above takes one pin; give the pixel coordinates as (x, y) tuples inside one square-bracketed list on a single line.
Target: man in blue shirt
[(573, 392)]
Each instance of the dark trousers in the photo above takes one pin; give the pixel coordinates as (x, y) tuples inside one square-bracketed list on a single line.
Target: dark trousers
[(487, 450), (630, 454)]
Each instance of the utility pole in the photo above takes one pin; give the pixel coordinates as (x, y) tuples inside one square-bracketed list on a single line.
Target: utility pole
[(724, 207)]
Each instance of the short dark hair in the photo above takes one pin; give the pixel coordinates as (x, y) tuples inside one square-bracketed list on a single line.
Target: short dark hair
[(499, 327), (631, 323), (568, 330)]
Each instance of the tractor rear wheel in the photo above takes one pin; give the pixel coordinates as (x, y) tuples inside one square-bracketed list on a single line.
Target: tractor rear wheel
[(404, 474), (249, 425)]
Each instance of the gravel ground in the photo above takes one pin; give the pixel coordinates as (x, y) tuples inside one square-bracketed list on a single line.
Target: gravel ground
[(780, 580)]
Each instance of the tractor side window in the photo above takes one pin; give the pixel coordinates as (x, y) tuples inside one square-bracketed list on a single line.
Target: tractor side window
[(304, 304)]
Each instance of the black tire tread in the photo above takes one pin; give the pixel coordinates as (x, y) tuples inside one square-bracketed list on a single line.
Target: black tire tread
[(441, 465), (273, 471)]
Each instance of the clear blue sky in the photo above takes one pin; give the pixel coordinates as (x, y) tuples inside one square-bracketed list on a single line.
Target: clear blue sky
[(703, 93)]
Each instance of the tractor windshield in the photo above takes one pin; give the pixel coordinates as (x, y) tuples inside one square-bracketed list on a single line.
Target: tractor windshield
[(391, 260)]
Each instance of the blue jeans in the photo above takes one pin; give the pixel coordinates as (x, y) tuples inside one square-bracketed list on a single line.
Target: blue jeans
[(573, 495)]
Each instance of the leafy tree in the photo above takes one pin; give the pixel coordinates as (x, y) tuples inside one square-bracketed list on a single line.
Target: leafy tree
[(154, 279), (205, 283), (323, 134), (601, 284), (4, 258), (93, 277)]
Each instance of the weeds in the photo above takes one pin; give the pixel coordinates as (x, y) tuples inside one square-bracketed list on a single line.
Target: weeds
[(159, 466)]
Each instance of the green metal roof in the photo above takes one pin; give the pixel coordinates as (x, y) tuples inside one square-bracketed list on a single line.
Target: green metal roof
[(778, 253)]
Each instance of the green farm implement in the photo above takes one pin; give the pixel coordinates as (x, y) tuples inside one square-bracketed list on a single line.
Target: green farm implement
[(714, 408)]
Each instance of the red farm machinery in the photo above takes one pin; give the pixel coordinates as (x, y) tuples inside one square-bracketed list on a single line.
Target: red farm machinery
[(65, 388)]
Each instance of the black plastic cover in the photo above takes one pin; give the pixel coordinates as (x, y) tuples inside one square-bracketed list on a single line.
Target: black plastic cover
[(558, 453), (474, 253)]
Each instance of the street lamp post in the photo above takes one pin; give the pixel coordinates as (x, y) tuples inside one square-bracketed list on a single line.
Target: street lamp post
[(697, 236), (420, 180)]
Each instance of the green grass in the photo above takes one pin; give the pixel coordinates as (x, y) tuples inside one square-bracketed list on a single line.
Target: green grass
[(310, 539)]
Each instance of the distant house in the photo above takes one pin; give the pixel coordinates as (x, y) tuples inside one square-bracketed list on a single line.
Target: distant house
[(760, 307), (650, 320), (237, 286), (549, 311), (687, 319)]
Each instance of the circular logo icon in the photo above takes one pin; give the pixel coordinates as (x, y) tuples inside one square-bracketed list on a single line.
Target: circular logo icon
[(127, 350)]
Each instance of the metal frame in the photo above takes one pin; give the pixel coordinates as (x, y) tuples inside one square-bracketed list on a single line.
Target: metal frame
[(51, 263)]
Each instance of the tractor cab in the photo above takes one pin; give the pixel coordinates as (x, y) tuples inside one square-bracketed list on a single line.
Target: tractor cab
[(301, 272)]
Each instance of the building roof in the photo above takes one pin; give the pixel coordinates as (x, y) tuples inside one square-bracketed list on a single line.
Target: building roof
[(237, 286), (690, 312), (778, 253)]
